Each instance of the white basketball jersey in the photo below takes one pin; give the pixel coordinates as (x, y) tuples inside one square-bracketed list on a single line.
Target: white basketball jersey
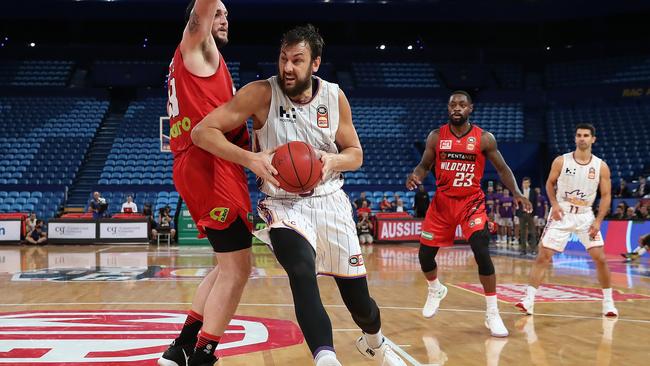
[(578, 184), (315, 123)]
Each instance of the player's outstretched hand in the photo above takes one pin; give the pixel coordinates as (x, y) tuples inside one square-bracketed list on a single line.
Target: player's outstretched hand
[(557, 213), (260, 164), (412, 181), (524, 203)]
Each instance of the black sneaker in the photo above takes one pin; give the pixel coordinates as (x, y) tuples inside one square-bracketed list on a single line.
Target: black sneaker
[(202, 360), (176, 355)]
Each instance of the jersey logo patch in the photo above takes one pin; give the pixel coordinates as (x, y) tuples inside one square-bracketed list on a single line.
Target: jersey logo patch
[(445, 144), (592, 173), (471, 140), (322, 119), (356, 260), (288, 115), (219, 214), (568, 171), (470, 147)]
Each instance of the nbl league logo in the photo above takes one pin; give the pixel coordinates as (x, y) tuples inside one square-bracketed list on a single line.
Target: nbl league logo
[(121, 338)]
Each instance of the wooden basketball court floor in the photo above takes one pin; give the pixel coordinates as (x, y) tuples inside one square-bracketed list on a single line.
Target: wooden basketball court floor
[(72, 293)]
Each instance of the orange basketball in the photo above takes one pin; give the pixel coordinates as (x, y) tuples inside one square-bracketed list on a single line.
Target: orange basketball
[(299, 168)]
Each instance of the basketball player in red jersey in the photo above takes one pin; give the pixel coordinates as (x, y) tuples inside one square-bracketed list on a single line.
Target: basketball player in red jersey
[(458, 150), (215, 190)]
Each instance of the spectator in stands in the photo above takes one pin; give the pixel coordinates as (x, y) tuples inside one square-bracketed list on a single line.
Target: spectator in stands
[(37, 235), (129, 206), (393, 203), (384, 205), (421, 202), (541, 211), (30, 222), (527, 220), (643, 189), (642, 213), (98, 206), (166, 222), (359, 202), (506, 214), (364, 208), (630, 214), (364, 229), (399, 206), (619, 212), (153, 224), (622, 191)]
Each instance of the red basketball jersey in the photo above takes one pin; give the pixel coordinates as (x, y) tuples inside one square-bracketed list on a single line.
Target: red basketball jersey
[(191, 97), (459, 162)]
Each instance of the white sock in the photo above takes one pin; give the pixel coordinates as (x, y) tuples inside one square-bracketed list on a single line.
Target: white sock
[(530, 292), (491, 302), (435, 283), (641, 251), (324, 353), (374, 340), (607, 294)]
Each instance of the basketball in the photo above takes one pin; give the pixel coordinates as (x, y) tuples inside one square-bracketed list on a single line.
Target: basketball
[(299, 168)]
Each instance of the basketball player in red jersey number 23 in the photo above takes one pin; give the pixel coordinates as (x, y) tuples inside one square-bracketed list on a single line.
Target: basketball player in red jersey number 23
[(215, 190), (458, 149)]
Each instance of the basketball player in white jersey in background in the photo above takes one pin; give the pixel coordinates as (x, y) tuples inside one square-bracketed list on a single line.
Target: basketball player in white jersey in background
[(313, 233), (578, 176)]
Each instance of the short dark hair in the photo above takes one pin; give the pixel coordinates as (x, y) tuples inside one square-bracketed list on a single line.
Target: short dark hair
[(188, 10), (586, 126), (305, 33), (526, 179), (462, 92)]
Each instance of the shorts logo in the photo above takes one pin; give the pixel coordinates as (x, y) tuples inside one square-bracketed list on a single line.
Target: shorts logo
[(592, 173), (356, 260), (445, 144), (476, 221), (322, 119), (249, 216), (427, 235), (219, 214)]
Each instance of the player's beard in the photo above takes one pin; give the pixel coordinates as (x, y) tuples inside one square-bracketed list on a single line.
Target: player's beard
[(299, 87), (221, 41), (457, 122)]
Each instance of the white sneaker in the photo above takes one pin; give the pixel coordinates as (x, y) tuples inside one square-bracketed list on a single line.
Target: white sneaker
[(384, 355), (609, 309), (433, 300), (526, 305), (494, 323), (328, 361)]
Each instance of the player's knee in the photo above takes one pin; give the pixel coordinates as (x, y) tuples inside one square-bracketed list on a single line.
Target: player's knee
[(479, 242), (427, 257)]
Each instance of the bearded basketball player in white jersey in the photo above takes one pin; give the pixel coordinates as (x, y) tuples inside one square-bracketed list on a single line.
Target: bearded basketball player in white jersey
[(578, 176), (312, 233)]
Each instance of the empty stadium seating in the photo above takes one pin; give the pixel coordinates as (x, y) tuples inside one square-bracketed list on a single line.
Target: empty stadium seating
[(44, 204), (48, 145), (395, 75), (594, 72), (35, 72), (622, 134)]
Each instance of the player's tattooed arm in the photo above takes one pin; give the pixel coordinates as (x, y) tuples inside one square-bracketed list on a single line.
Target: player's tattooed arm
[(491, 151), (428, 159), (199, 26)]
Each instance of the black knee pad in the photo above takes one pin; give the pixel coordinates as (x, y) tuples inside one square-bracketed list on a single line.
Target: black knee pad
[(480, 241), (427, 257)]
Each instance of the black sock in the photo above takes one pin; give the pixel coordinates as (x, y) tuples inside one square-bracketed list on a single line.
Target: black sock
[(190, 330)]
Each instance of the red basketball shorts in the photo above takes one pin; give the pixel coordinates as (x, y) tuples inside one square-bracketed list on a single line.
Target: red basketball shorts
[(446, 213), (215, 190)]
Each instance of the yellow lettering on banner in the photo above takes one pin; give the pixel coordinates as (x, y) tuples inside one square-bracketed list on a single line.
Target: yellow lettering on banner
[(632, 92)]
